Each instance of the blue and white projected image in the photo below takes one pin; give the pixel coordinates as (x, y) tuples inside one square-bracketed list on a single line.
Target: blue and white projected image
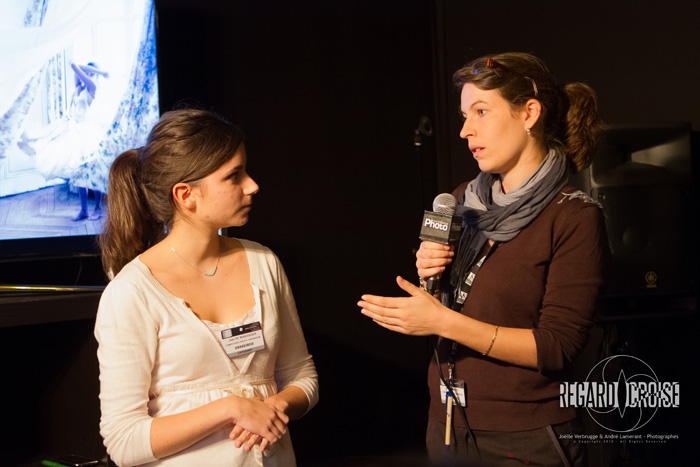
[(78, 86)]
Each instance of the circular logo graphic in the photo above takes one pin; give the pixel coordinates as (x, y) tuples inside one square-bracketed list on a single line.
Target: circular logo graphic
[(650, 278), (635, 391)]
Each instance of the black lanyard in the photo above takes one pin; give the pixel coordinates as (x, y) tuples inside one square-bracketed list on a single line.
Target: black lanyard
[(461, 296)]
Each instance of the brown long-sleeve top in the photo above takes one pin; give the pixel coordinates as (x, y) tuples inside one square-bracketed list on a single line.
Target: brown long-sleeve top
[(546, 279)]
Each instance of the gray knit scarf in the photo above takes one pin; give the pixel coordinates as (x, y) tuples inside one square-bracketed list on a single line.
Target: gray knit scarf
[(488, 213)]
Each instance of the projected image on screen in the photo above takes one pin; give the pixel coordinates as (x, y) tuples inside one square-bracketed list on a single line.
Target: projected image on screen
[(78, 86)]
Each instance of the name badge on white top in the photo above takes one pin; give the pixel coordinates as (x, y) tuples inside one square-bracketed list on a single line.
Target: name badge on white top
[(243, 339)]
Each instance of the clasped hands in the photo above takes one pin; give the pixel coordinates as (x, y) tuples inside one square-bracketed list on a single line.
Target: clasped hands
[(419, 314), (260, 422)]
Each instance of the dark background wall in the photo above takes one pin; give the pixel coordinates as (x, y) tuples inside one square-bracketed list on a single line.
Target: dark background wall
[(329, 94)]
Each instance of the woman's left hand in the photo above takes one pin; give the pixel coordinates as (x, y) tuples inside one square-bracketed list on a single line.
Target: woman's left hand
[(420, 314), (245, 439)]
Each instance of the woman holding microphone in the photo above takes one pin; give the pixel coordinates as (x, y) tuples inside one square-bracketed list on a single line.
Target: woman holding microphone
[(519, 290)]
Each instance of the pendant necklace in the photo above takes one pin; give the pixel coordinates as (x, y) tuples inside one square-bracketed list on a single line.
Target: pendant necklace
[(190, 265)]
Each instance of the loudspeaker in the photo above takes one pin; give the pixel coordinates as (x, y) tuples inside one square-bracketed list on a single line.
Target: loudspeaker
[(642, 176)]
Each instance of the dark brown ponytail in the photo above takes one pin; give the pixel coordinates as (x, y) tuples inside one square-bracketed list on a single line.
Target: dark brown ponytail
[(584, 128), (129, 227)]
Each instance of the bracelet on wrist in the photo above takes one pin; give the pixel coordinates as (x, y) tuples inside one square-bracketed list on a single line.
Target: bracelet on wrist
[(493, 339)]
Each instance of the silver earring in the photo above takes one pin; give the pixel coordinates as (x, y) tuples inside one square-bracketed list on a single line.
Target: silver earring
[(528, 131)]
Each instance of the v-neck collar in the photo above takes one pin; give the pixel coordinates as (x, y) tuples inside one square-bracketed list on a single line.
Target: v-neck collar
[(180, 305)]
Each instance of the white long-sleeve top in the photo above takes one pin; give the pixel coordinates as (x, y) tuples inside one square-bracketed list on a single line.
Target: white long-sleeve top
[(157, 358)]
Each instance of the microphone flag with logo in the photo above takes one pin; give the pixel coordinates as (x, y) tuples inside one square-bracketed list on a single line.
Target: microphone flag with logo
[(441, 226)]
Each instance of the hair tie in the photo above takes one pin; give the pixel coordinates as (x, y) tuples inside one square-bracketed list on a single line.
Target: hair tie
[(140, 154)]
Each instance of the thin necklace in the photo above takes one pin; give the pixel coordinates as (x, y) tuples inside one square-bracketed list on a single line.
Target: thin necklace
[(190, 265)]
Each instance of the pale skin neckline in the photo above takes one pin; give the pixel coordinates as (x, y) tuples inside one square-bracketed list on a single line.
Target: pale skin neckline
[(229, 246)]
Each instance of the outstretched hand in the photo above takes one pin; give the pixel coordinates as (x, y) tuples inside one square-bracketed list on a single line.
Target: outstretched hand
[(419, 314)]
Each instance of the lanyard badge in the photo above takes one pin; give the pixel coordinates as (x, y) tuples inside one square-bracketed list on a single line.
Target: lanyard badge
[(457, 392)]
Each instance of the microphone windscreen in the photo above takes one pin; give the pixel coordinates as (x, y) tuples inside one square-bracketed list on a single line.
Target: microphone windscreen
[(445, 203)]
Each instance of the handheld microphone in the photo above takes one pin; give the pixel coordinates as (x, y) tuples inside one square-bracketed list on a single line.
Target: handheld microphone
[(440, 226)]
